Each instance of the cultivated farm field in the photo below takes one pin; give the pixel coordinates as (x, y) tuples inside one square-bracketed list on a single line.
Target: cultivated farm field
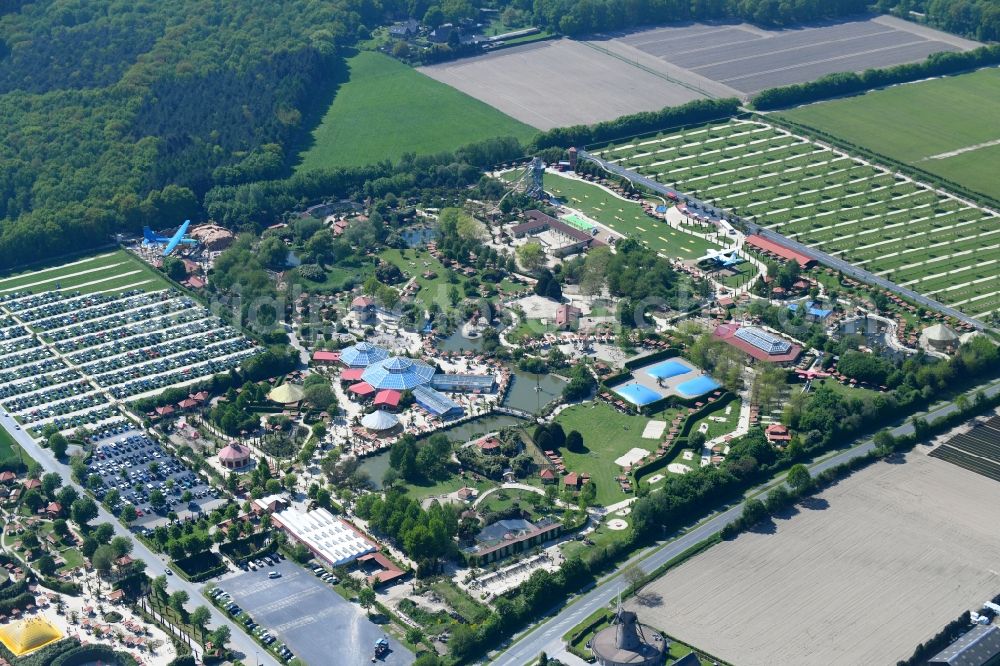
[(387, 108), (905, 123), (888, 224), (860, 575)]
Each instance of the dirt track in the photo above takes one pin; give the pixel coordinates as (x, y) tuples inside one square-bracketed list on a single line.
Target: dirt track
[(877, 564)]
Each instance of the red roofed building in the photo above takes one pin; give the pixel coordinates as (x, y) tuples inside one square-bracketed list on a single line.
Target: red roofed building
[(388, 398), (53, 510), (547, 476), (363, 308), (758, 343), (326, 357), (388, 571), (166, 410), (200, 396), (361, 389), (32, 483), (194, 283), (765, 245), (571, 480), (7, 477), (489, 445), (187, 403), (351, 374), (778, 434), (567, 316)]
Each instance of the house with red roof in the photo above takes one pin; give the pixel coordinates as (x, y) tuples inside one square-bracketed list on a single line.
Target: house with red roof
[(778, 434)]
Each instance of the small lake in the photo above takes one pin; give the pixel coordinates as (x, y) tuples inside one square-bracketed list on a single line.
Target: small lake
[(530, 392), (419, 236), (457, 342)]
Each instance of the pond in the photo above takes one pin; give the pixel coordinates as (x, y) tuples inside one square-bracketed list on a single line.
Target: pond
[(530, 392), (459, 342), (418, 236)]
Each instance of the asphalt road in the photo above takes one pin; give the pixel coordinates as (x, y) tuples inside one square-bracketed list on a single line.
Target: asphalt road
[(822, 257), (547, 636), (155, 564)]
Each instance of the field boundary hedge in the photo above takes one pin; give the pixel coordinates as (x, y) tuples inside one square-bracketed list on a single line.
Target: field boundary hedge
[(849, 83), (201, 576)]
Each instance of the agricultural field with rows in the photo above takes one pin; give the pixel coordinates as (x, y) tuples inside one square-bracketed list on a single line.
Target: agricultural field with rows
[(925, 239)]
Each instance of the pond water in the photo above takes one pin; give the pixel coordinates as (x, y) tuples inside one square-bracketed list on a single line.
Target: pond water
[(292, 260), (457, 342), (418, 236), (530, 392)]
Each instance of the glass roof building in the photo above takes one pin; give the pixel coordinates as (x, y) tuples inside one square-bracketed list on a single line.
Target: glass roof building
[(398, 373), (362, 355)]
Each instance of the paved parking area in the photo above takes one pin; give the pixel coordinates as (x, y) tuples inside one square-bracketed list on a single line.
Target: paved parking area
[(135, 466), (306, 614)]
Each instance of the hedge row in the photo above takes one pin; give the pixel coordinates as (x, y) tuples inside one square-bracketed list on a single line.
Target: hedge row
[(848, 83), (663, 354), (697, 111), (86, 654)]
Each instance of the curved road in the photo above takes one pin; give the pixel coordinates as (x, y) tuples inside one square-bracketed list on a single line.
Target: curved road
[(155, 564), (822, 257), (547, 636)]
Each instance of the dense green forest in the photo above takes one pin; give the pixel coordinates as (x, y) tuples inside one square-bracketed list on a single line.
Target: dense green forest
[(117, 113), (979, 19), (106, 103)]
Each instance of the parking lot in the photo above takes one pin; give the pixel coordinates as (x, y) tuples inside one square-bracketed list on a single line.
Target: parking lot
[(309, 616), (136, 466)]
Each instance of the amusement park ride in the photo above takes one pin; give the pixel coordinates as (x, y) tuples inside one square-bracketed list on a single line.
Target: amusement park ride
[(150, 238)]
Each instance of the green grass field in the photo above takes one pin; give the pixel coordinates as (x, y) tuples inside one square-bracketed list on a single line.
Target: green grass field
[(626, 217), (941, 116), (387, 108), (6, 446), (607, 434), (110, 272)]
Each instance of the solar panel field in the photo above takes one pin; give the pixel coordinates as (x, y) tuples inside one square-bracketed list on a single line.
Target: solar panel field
[(977, 450), (918, 237)]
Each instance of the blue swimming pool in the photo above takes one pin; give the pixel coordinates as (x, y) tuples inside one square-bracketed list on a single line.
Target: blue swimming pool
[(637, 394), (693, 388), (667, 369)]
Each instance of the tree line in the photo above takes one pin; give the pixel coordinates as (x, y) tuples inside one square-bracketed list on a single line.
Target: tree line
[(978, 19), (849, 83), (579, 17)]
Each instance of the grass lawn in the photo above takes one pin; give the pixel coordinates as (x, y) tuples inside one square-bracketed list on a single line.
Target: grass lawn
[(504, 499), (449, 485), (73, 559), (626, 217), (942, 115), (719, 428), (7, 445), (108, 271), (460, 602), (414, 263), (387, 108), (607, 434)]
